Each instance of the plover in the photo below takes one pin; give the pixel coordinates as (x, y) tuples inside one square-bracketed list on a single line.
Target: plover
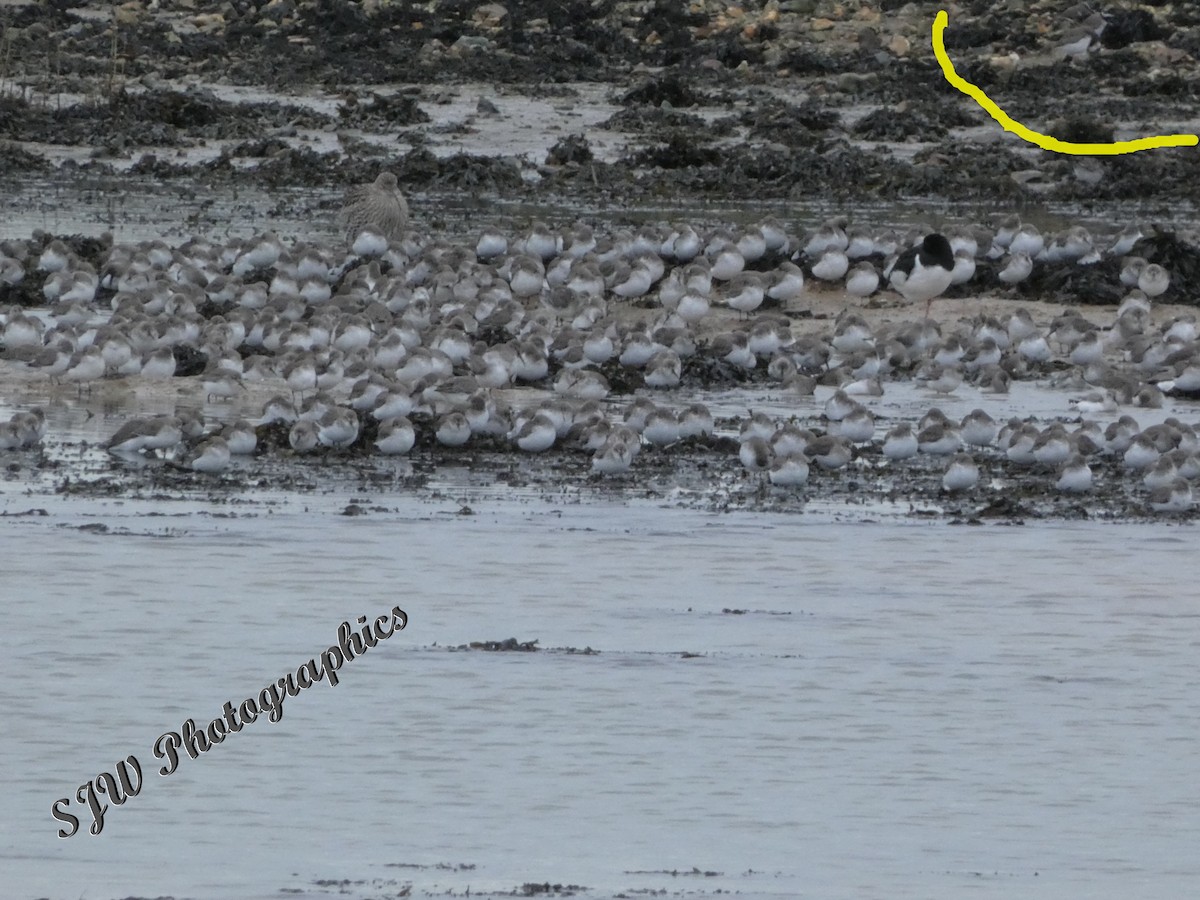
[(209, 457), (755, 453), (1017, 268), (1141, 453), (1153, 280), (831, 266), (787, 283), (961, 474), (939, 440), (614, 458), (789, 471), (303, 436), (695, 422), (1162, 473), (240, 437), (862, 280), (790, 439), (537, 434), (396, 436), (138, 434), (829, 452), (453, 430), (1075, 476), (1176, 497), (857, 427), (978, 428), (900, 442), (662, 427)]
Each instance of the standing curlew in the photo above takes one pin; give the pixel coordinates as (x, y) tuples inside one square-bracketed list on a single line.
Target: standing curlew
[(378, 207)]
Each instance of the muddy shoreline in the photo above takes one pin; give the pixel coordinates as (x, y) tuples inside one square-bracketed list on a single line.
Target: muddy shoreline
[(700, 473), (787, 101)]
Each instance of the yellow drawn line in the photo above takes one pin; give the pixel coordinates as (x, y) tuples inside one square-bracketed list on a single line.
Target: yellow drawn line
[(1043, 140)]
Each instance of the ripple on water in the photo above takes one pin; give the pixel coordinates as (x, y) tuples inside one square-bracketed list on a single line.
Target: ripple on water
[(890, 700)]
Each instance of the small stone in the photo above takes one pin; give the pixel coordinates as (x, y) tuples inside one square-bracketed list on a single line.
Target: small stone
[(1004, 64), (490, 15), (851, 82), (208, 23), (470, 44), (128, 13)]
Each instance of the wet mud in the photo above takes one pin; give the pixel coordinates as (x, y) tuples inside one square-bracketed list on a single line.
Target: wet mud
[(801, 99), (696, 474)]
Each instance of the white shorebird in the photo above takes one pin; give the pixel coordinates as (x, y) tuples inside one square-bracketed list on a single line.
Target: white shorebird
[(396, 436), (961, 475), (210, 457)]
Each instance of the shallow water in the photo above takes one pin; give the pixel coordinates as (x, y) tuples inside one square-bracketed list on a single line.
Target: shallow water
[(916, 710)]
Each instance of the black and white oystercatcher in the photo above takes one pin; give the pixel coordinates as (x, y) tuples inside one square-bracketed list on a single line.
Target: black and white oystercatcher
[(924, 271)]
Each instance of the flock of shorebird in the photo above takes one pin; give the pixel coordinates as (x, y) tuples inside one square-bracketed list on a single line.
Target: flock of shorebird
[(406, 334)]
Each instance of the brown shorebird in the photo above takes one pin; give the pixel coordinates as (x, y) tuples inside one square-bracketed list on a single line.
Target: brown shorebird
[(377, 207)]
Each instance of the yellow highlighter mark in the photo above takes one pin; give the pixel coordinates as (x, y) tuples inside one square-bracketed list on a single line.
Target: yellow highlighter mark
[(1045, 141)]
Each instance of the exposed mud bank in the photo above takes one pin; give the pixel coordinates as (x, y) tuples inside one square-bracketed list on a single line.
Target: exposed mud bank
[(795, 100)]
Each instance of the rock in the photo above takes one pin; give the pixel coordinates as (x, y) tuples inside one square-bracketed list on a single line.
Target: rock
[(490, 15), (899, 45), (470, 44)]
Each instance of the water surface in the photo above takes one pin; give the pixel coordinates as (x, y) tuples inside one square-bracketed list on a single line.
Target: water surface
[(909, 710)]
